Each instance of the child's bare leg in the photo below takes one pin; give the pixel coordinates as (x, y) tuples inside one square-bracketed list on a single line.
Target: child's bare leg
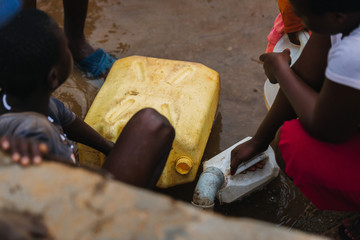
[(278, 156), (29, 3), (311, 68), (141, 151), (75, 12)]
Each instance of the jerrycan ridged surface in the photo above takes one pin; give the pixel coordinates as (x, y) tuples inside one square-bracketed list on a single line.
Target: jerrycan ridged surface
[(186, 93)]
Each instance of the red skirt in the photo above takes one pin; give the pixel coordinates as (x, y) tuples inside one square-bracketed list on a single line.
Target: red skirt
[(328, 174)]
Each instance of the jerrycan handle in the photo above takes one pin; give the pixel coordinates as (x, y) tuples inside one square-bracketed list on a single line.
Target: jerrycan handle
[(245, 165)]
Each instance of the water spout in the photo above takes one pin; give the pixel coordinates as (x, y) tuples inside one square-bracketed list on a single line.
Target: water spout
[(209, 183)]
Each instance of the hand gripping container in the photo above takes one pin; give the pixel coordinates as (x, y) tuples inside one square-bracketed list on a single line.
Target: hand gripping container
[(216, 181), (270, 89), (186, 93)]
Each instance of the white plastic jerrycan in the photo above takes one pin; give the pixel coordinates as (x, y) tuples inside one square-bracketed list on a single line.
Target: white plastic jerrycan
[(216, 180), (270, 90)]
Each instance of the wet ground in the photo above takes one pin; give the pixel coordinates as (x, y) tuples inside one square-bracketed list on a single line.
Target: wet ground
[(227, 36)]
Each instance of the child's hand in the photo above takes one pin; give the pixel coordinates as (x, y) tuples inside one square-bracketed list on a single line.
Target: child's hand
[(245, 152), (275, 63), (24, 151)]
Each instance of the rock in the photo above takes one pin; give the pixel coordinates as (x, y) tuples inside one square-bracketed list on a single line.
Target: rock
[(78, 204), (22, 226)]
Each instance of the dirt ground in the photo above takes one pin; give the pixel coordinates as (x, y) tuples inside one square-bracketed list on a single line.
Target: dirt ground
[(227, 36)]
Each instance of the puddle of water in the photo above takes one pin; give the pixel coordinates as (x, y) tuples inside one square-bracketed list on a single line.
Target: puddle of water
[(77, 93), (278, 202)]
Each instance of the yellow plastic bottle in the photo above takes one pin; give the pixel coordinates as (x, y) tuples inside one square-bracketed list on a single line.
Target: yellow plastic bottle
[(186, 93)]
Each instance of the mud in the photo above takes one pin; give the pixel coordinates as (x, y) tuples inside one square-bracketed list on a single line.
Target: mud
[(227, 36)]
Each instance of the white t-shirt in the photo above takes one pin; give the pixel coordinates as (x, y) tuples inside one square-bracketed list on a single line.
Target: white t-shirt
[(344, 59)]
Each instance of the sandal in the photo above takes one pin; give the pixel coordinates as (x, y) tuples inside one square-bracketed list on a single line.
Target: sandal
[(96, 64)]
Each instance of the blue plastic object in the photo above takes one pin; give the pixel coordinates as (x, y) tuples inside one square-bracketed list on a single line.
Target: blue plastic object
[(96, 64), (8, 9)]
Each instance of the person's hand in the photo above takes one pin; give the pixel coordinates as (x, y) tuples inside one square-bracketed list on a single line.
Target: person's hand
[(253, 168), (24, 151), (244, 152), (275, 62)]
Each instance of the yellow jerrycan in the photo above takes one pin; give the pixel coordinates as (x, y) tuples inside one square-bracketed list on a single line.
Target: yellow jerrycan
[(186, 93)]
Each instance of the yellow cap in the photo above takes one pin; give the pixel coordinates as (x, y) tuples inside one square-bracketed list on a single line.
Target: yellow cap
[(183, 165)]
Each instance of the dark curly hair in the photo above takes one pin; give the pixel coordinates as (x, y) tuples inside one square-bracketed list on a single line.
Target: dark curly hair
[(343, 6), (29, 48)]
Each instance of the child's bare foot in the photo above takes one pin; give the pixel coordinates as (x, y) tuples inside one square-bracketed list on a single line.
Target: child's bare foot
[(95, 63), (245, 152)]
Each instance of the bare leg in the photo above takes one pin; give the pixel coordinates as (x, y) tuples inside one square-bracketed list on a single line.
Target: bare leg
[(278, 156), (95, 63), (141, 151), (29, 3), (75, 12), (281, 110)]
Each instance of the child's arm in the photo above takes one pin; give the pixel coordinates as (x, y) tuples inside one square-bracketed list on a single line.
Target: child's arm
[(311, 68), (331, 114), (81, 132)]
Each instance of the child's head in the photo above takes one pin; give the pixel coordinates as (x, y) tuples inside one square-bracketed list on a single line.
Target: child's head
[(34, 54), (328, 16)]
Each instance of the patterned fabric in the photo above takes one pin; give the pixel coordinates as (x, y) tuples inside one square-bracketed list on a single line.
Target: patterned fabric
[(292, 23)]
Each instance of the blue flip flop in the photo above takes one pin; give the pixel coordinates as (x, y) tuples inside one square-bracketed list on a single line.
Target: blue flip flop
[(96, 64)]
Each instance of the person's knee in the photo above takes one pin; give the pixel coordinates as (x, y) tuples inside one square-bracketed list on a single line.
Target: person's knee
[(155, 122), (278, 156), (296, 145)]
